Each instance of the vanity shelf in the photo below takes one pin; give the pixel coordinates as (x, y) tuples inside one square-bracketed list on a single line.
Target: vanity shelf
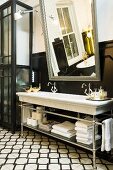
[(71, 140), (76, 104)]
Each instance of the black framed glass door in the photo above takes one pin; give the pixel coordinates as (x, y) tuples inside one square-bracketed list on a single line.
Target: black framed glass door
[(9, 64)]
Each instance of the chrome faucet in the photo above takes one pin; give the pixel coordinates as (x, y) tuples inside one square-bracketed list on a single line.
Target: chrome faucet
[(53, 87), (83, 84), (89, 89)]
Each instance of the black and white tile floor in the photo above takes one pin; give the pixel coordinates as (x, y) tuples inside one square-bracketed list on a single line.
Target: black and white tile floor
[(37, 152)]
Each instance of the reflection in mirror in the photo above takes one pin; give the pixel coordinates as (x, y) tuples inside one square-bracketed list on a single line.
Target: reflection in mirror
[(71, 39)]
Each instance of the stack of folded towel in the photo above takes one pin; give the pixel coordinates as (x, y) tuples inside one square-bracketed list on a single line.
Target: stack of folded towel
[(65, 129), (47, 126), (84, 132)]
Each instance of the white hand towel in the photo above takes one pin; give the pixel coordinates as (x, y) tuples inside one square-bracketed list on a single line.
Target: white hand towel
[(84, 142), (86, 131), (68, 134), (112, 134), (64, 127), (107, 130), (85, 135), (97, 137), (83, 124)]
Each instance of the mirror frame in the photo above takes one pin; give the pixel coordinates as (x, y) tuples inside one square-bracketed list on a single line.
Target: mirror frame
[(96, 45)]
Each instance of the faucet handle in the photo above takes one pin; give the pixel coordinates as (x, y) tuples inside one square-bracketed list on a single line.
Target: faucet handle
[(49, 83), (53, 86), (83, 84), (54, 89)]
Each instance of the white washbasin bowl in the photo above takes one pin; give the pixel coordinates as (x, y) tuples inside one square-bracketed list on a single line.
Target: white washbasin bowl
[(57, 96), (87, 63), (62, 97)]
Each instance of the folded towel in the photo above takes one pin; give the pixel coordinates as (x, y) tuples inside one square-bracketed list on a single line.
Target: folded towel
[(97, 137), (107, 135), (64, 127), (85, 136), (83, 124), (47, 126), (68, 134), (86, 131), (87, 143)]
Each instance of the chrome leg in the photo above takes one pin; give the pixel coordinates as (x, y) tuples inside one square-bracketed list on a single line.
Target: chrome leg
[(112, 118), (94, 145), (78, 115), (111, 113)]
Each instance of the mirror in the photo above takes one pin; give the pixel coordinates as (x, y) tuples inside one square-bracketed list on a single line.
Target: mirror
[(71, 39)]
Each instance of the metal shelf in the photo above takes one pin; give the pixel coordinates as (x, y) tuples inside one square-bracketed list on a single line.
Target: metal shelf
[(69, 140)]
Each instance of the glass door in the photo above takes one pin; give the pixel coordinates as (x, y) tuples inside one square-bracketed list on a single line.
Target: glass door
[(13, 35), (5, 66)]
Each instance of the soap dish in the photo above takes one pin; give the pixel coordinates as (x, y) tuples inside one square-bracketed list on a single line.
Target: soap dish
[(92, 99), (32, 89)]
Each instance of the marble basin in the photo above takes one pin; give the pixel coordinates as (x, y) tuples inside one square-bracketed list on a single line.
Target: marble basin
[(62, 97), (87, 63), (71, 102)]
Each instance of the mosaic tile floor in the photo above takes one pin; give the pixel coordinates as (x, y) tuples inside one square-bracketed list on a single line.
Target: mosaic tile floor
[(37, 152)]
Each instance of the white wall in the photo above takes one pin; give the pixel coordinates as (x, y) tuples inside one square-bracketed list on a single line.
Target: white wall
[(105, 20), (104, 23), (38, 35)]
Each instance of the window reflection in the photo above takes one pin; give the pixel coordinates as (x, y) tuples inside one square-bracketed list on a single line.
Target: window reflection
[(68, 34)]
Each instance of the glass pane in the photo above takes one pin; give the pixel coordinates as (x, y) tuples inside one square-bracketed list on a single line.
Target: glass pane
[(62, 25), (67, 47), (9, 100), (5, 52), (22, 39), (6, 95), (7, 72), (9, 31), (0, 39), (0, 74), (73, 44), (7, 11), (0, 98), (22, 78), (67, 20), (7, 40), (5, 60)]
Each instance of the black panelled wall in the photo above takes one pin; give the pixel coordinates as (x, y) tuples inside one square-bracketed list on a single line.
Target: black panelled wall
[(106, 66)]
